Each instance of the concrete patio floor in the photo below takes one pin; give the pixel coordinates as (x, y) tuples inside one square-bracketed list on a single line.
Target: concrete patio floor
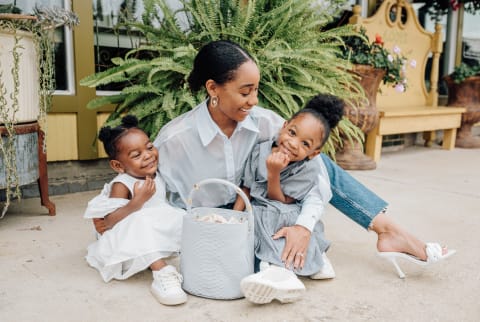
[(432, 192)]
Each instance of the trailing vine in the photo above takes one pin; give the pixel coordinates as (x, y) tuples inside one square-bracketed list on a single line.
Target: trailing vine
[(41, 27)]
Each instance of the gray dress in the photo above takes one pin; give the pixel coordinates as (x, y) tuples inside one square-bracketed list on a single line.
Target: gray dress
[(270, 215)]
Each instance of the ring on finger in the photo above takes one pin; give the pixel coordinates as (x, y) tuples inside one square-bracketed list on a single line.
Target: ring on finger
[(299, 254)]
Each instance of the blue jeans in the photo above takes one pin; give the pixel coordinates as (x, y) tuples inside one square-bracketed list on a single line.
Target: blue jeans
[(351, 197)]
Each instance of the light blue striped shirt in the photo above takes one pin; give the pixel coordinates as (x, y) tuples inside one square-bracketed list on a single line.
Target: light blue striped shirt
[(193, 148)]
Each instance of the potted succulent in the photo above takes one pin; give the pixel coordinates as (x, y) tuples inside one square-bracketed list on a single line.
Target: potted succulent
[(26, 85), (373, 64), (464, 90)]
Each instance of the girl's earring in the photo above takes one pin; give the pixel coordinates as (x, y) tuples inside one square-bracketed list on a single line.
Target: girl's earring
[(214, 101)]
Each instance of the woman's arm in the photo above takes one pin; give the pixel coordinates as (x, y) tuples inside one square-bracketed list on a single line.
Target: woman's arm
[(239, 203), (297, 237), (142, 192)]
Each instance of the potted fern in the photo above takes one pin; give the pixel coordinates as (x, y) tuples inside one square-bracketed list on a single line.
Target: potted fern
[(296, 58), (26, 85)]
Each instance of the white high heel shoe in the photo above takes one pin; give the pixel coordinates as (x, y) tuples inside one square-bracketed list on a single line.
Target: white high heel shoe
[(434, 254)]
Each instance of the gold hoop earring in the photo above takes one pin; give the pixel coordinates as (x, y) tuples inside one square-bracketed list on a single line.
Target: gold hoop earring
[(214, 101)]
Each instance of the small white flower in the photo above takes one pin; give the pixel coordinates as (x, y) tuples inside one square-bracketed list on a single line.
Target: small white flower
[(400, 88), (396, 49), (413, 63), (390, 58)]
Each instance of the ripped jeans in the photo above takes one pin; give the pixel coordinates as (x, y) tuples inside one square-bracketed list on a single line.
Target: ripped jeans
[(351, 197)]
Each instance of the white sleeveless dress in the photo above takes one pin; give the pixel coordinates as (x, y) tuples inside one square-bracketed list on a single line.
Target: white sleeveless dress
[(138, 240)]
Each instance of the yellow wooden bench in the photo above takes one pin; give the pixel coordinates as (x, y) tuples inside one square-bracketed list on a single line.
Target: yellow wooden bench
[(416, 109)]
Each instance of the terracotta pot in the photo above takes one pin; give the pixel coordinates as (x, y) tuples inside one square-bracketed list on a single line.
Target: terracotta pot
[(466, 94), (365, 116)]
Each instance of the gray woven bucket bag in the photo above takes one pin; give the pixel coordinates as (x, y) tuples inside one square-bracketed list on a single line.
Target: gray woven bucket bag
[(215, 257)]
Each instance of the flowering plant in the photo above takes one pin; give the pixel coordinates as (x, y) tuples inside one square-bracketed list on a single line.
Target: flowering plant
[(358, 51), (437, 9)]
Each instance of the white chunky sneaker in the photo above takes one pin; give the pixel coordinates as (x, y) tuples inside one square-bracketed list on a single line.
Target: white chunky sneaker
[(326, 272), (271, 283), (264, 265), (166, 286)]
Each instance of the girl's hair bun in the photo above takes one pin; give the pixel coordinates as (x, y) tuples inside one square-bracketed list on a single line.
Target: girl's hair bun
[(105, 134), (109, 136), (329, 106), (129, 121)]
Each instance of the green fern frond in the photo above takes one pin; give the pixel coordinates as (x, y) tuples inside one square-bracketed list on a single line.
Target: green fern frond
[(129, 69), (296, 57), (105, 100)]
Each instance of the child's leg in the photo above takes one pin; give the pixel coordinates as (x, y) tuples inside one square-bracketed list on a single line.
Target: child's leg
[(158, 265), (166, 285)]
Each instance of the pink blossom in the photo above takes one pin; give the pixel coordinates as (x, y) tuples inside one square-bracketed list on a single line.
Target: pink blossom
[(390, 58), (413, 63), (396, 49), (400, 88)]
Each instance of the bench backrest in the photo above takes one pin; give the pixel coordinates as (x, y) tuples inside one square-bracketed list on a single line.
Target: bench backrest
[(405, 31)]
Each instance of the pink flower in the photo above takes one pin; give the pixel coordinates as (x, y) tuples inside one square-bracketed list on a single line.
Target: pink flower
[(390, 58), (396, 50), (400, 88), (413, 63)]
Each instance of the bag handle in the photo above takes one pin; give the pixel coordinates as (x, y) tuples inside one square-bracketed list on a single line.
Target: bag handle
[(248, 205)]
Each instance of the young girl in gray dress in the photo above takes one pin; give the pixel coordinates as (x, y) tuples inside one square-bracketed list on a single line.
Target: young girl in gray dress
[(278, 176)]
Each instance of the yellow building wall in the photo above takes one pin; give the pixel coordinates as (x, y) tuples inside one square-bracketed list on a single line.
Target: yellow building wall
[(61, 137), (101, 118)]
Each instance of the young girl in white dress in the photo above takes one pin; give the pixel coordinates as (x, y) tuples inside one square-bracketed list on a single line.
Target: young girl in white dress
[(139, 228)]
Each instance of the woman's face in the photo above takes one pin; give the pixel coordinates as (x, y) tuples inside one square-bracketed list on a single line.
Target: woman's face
[(301, 137), (237, 97)]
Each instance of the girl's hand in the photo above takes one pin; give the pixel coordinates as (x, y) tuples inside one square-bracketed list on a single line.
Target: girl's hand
[(296, 244), (276, 161), (142, 192)]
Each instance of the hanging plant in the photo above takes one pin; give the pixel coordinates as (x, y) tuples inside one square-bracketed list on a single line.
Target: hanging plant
[(39, 26)]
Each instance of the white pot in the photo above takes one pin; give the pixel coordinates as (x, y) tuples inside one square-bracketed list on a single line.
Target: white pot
[(28, 98)]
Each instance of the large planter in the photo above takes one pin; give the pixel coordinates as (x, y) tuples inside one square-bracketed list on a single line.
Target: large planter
[(28, 96), (363, 115), (466, 94), (26, 158), (23, 159)]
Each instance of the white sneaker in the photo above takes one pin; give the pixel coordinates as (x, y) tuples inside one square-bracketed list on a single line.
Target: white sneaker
[(272, 283), (166, 286), (326, 272), (263, 265)]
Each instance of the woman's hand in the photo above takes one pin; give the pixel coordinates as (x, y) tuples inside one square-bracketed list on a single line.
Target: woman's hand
[(296, 244)]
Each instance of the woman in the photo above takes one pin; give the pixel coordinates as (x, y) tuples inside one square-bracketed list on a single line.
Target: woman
[(215, 139)]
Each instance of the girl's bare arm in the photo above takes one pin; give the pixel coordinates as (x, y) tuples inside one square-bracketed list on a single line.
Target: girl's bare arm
[(142, 193)]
